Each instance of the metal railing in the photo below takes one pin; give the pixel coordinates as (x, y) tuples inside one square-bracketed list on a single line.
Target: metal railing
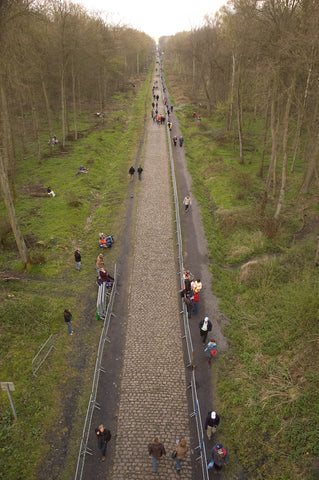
[(188, 339), (84, 449), (42, 354)]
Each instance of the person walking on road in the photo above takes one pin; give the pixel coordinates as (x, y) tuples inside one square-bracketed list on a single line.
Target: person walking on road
[(205, 326), (103, 436), (139, 172), (156, 449), (181, 450), (219, 456), (211, 423), (181, 141), (67, 319), (210, 351), (175, 140), (187, 203), (131, 172), (77, 257)]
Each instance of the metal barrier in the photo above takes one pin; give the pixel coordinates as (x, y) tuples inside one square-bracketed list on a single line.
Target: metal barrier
[(84, 449), (42, 354), (189, 344), (103, 294)]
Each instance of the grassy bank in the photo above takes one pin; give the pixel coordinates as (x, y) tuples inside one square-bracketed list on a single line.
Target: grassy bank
[(265, 277), (51, 407)]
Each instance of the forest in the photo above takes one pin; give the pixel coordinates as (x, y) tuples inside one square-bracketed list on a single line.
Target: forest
[(251, 75)]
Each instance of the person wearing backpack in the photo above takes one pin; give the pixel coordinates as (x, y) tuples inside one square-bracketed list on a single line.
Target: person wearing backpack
[(210, 351), (219, 456)]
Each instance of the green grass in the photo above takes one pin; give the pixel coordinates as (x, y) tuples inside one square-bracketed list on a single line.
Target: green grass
[(267, 381), (32, 305)]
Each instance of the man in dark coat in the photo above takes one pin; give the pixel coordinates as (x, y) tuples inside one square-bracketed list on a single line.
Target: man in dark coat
[(156, 449), (77, 257), (212, 422), (205, 326), (103, 436)]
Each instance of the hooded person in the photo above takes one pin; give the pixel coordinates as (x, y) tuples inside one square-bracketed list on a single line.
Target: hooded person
[(211, 423), (219, 456), (210, 350), (205, 326)]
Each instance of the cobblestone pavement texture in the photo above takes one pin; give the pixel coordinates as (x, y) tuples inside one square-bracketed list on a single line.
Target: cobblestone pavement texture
[(153, 386)]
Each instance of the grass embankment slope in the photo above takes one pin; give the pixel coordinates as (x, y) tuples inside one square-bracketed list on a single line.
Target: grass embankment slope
[(267, 382), (51, 407)]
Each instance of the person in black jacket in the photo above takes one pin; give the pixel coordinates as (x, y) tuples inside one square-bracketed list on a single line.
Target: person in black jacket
[(205, 326), (67, 319), (131, 172), (212, 422), (103, 436), (77, 257)]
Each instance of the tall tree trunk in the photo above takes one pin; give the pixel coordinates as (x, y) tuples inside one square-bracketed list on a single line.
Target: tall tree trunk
[(300, 119), (285, 152), (239, 121), (231, 97), (35, 120), (9, 157), (63, 114), (261, 170), (74, 104), (272, 156), (47, 106), (12, 215)]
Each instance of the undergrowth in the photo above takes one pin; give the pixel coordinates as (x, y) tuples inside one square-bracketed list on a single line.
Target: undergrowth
[(264, 275)]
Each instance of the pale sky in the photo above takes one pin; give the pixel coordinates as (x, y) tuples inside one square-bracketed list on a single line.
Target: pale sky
[(156, 18)]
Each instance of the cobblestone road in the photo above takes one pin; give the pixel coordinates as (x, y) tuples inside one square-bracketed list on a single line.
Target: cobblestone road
[(153, 385)]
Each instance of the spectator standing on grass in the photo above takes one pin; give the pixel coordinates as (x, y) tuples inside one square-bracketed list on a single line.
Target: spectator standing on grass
[(99, 262), (205, 326), (103, 436), (77, 257), (67, 319), (211, 423), (156, 449)]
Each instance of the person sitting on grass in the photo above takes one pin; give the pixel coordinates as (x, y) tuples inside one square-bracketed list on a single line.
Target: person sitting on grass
[(50, 192), (105, 277), (82, 170)]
